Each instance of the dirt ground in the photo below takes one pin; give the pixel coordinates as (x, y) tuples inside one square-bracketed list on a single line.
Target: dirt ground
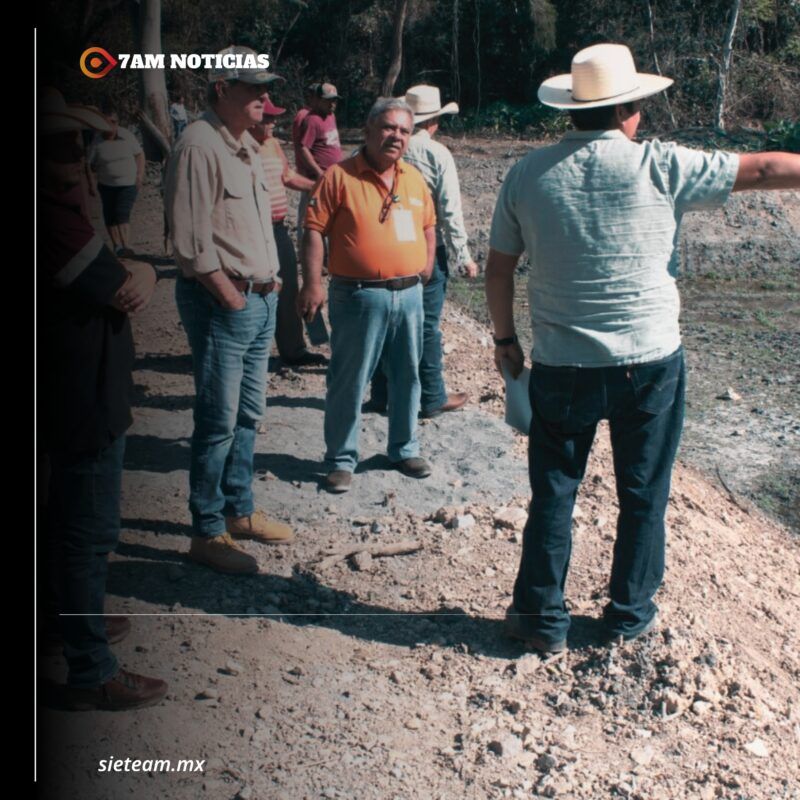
[(389, 677)]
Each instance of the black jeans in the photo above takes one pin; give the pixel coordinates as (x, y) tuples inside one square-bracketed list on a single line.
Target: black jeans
[(289, 327), (644, 404)]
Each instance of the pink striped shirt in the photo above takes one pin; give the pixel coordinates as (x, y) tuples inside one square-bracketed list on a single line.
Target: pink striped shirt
[(274, 167)]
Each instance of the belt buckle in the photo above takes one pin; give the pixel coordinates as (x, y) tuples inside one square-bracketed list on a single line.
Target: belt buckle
[(393, 284), (248, 286)]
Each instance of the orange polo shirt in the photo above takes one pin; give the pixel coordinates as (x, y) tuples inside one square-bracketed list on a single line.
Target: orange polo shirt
[(346, 207)]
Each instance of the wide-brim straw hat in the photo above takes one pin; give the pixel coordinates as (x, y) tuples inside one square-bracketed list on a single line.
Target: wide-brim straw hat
[(602, 75), (57, 116), (426, 103)]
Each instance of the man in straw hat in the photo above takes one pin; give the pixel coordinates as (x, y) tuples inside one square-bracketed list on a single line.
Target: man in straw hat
[(85, 358), (598, 215), (437, 166), (219, 214)]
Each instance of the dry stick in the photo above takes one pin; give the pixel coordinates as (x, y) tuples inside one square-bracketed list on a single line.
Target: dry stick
[(375, 550), (734, 498), (287, 32)]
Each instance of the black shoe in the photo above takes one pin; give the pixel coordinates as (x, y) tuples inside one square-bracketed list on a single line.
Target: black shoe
[(414, 467), (307, 359), (618, 638), (518, 627)]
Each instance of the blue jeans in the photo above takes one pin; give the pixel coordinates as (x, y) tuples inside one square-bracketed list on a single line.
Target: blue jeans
[(644, 405), (368, 326), (230, 354), (83, 528), (434, 394)]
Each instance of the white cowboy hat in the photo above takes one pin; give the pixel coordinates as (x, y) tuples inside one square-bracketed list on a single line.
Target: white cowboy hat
[(426, 103), (56, 116), (602, 75)]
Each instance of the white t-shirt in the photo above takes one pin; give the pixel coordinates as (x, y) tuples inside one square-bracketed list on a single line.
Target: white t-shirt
[(114, 159), (599, 217)]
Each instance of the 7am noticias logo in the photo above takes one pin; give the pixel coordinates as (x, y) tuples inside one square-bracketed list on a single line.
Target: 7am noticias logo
[(97, 62)]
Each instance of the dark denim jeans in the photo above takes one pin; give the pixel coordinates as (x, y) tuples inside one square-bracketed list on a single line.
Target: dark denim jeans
[(644, 405), (434, 394), (83, 528), (230, 352), (289, 329)]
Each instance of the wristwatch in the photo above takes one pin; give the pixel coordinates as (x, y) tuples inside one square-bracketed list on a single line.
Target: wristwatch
[(507, 340)]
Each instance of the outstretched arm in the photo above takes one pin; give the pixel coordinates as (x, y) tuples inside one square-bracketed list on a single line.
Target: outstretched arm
[(768, 171)]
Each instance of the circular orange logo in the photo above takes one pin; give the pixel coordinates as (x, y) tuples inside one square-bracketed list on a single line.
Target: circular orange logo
[(97, 62)]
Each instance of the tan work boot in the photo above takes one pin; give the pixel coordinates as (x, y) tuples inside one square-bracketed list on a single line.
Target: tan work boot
[(222, 554), (259, 528)]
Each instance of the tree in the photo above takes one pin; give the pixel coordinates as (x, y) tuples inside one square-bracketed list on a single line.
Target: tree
[(725, 64), (396, 58), (154, 102)]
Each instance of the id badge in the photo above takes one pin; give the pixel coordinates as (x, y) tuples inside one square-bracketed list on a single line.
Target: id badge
[(404, 228)]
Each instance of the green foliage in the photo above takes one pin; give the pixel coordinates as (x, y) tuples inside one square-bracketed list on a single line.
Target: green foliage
[(488, 56), (783, 135), (532, 119)]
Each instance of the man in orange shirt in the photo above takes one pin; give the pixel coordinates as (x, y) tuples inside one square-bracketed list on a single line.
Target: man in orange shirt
[(379, 218)]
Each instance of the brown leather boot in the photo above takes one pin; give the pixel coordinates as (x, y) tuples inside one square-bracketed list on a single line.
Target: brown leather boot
[(260, 528), (222, 554), (125, 691)]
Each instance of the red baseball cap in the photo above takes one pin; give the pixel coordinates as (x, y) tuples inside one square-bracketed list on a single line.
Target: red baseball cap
[(271, 110)]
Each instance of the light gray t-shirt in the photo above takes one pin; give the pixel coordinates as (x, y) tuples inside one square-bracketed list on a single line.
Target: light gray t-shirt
[(598, 216), (115, 159)]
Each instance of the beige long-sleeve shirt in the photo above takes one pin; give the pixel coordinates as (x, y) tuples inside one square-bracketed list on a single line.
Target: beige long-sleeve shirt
[(217, 204)]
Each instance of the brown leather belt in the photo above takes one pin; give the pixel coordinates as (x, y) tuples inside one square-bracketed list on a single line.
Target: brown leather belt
[(392, 284), (248, 287)]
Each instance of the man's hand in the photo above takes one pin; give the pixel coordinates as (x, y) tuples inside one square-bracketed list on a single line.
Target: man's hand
[(311, 297), (234, 303), (512, 353), (471, 269), (225, 293), (136, 292), (309, 300)]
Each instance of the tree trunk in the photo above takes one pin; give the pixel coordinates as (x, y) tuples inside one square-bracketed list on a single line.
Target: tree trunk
[(286, 34), (476, 40), (454, 57), (396, 59), (154, 100), (725, 65), (655, 61)]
